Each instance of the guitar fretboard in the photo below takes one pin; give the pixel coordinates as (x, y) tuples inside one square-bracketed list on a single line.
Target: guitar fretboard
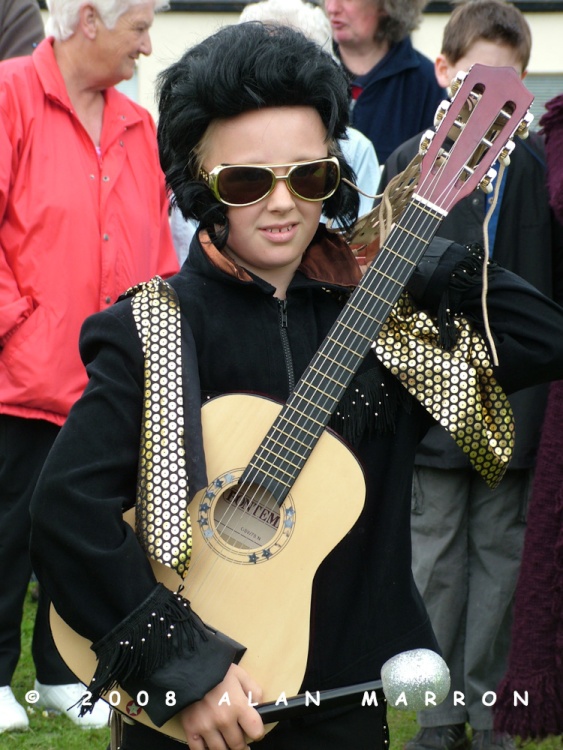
[(289, 442)]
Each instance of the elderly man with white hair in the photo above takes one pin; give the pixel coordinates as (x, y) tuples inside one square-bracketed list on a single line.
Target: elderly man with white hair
[(83, 216)]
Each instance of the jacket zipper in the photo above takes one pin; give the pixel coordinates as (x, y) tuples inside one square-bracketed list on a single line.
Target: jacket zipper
[(282, 314)]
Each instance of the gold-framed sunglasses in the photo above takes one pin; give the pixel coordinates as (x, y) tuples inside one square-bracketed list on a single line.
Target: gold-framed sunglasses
[(245, 184)]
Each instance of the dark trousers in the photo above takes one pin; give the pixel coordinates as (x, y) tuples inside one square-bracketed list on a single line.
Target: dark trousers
[(362, 728), (24, 445)]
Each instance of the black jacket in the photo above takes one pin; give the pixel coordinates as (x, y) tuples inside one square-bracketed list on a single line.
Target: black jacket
[(529, 242), (366, 607)]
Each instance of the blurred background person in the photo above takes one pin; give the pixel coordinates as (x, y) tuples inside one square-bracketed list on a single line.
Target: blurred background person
[(83, 216), (535, 661), (21, 27), (552, 126), (394, 90), (467, 539)]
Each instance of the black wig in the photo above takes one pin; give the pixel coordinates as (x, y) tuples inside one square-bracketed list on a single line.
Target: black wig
[(241, 68)]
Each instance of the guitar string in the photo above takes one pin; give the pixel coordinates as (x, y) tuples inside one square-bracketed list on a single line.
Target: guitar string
[(388, 259)]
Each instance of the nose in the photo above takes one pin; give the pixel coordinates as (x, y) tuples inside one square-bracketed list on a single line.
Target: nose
[(281, 199), (331, 7), (145, 47)]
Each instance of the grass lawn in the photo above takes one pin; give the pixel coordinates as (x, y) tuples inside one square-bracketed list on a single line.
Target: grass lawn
[(58, 733)]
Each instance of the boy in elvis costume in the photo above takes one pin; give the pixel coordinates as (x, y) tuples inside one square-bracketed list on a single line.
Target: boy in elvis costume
[(261, 287)]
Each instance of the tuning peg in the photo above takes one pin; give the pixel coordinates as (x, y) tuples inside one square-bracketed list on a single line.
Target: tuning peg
[(486, 183), (425, 142), (456, 83), (504, 156), (441, 112), (523, 130)]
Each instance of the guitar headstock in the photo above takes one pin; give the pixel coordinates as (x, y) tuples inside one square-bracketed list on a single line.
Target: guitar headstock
[(474, 129)]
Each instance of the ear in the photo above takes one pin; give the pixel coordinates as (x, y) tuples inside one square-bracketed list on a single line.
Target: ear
[(443, 71), (88, 21)]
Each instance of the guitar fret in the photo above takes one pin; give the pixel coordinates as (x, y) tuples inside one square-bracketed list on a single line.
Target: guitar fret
[(366, 315), (335, 341), (324, 375), (402, 257), (319, 390), (336, 362), (357, 333), (264, 461), (313, 403), (387, 276), (412, 234), (292, 437), (377, 296), (310, 419), (285, 447), (283, 458), (267, 473)]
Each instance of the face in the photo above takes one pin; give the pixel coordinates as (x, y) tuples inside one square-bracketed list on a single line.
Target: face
[(269, 237), (354, 22), (482, 52), (118, 49)]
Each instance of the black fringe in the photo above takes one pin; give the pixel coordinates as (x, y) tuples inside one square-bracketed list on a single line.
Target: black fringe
[(370, 404), (161, 626), (468, 272)]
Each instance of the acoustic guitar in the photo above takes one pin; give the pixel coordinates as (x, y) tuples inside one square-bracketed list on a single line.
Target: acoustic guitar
[(278, 475)]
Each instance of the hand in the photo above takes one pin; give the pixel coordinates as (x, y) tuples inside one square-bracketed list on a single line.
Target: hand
[(214, 724)]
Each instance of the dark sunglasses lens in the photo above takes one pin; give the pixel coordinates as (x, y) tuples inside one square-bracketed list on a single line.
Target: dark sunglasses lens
[(315, 181), (239, 185)]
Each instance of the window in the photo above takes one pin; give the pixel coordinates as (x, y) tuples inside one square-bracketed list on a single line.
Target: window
[(544, 86)]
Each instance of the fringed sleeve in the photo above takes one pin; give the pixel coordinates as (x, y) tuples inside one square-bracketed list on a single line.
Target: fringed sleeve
[(162, 646)]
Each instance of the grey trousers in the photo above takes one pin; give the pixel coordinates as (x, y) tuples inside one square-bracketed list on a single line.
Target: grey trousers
[(467, 543)]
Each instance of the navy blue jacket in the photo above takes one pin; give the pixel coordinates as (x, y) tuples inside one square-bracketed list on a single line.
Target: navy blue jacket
[(399, 98)]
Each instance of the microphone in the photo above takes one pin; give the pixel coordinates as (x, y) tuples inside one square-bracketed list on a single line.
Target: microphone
[(408, 681)]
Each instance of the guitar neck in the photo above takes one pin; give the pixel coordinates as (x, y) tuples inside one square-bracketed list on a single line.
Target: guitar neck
[(294, 434)]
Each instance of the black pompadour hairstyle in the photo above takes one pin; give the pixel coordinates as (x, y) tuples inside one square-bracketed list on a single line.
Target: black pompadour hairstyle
[(242, 68)]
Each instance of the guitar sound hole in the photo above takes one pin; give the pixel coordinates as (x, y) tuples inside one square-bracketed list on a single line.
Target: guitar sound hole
[(246, 517)]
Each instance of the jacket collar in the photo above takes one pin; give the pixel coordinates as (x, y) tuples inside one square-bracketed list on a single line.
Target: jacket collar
[(328, 261)]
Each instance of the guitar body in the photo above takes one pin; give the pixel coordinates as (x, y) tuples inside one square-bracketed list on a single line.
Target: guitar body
[(256, 590)]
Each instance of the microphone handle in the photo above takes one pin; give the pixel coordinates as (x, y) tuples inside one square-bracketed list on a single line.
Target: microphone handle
[(306, 703)]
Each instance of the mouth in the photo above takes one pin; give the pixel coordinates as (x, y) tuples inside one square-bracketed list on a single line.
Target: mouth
[(280, 234), (279, 230)]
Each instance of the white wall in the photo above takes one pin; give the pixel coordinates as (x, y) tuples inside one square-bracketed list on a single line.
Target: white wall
[(173, 33)]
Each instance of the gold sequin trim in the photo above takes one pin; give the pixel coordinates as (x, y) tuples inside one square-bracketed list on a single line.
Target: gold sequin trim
[(162, 519), (456, 387)]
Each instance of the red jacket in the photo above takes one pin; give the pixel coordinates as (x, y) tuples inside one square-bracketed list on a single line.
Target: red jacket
[(76, 228)]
